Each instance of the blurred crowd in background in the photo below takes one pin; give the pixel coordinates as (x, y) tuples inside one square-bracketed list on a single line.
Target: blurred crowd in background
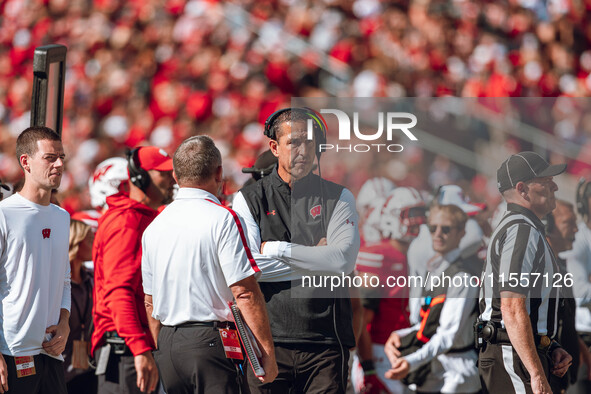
[(157, 71)]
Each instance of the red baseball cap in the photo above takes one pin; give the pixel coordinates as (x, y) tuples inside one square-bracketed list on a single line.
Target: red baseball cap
[(153, 158)]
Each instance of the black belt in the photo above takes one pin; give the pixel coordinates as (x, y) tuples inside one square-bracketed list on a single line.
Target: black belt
[(213, 324), (542, 342), (502, 337)]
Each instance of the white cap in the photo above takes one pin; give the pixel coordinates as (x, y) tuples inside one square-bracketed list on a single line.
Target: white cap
[(453, 195)]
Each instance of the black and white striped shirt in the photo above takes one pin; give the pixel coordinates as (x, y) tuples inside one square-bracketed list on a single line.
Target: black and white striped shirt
[(520, 260)]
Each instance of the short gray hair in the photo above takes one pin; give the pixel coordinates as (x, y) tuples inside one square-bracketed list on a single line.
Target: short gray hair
[(196, 160)]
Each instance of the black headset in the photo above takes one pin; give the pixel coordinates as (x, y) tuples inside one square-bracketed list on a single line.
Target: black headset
[(583, 194), (137, 175), (317, 121)]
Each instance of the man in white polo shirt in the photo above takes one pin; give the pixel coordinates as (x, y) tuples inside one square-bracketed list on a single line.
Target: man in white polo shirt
[(194, 261), (34, 271)]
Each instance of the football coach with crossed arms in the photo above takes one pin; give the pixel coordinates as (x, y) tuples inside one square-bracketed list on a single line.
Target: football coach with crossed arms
[(194, 261), (518, 317), (300, 224)]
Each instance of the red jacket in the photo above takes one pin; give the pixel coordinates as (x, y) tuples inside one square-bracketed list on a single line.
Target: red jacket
[(384, 260), (118, 292)]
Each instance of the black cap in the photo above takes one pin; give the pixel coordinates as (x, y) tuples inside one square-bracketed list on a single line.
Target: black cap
[(3, 186), (263, 165), (525, 166)]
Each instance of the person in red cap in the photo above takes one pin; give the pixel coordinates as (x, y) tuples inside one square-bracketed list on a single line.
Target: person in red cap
[(121, 342)]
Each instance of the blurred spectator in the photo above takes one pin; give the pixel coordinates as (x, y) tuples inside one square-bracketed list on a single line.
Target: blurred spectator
[(385, 310), (157, 71), (561, 226), (79, 377), (443, 172), (421, 250), (369, 203), (437, 354), (577, 262)]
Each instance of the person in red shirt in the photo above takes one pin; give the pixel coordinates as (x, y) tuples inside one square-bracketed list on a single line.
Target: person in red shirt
[(386, 306), (122, 336)]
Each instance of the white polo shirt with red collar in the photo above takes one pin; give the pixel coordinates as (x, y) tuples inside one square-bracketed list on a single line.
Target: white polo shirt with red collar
[(191, 253)]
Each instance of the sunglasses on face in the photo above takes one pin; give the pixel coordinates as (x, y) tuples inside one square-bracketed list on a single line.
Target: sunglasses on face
[(444, 229)]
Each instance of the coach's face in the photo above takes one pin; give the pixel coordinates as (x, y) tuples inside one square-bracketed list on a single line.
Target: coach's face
[(162, 186), (540, 194), (295, 153), (45, 167)]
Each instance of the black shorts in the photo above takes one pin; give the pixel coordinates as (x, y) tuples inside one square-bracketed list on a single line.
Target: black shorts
[(501, 369), (306, 369)]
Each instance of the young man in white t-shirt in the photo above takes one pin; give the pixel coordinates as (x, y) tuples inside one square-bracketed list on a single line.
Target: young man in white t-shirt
[(34, 271)]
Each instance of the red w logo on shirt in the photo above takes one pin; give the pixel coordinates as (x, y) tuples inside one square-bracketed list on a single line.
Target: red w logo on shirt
[(315, 211), (46, 232)]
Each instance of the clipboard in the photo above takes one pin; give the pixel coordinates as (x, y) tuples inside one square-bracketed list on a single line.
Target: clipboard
[(253, 353)]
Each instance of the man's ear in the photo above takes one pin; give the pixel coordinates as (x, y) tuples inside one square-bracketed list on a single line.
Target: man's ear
[(521, 188), (24, 161), (174, 176), (274, 146)]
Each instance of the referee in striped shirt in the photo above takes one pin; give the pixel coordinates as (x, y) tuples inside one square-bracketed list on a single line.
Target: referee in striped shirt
[(520, 290)]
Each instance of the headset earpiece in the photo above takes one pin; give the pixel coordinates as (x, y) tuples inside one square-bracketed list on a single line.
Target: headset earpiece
[(137, 175), (269, 132)]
